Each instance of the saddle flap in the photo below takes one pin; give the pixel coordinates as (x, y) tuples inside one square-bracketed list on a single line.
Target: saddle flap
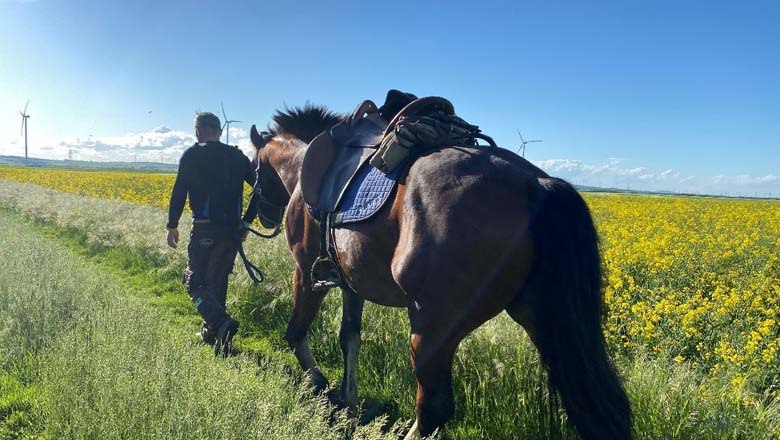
[(319, 156), (327, 168)]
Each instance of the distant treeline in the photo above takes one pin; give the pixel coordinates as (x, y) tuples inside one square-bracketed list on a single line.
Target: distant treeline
[(89, 165)]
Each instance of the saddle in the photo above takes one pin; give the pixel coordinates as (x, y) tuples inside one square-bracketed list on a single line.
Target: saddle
[(361, 159), (334, 156)]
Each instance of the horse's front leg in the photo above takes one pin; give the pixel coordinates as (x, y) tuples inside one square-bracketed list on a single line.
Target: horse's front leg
[(306, 304), (349, 339)]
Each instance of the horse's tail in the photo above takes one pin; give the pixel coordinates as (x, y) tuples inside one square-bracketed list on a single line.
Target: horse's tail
[(568, 313)]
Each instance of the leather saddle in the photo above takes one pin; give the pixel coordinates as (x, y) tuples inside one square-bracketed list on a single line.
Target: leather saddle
[(334, 156)]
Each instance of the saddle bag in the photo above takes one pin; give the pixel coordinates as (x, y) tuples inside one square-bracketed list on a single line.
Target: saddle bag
[(424, 124)]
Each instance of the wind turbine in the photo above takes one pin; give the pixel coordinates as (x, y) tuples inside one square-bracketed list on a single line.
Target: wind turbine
[(524, 142), (25, 116), (227, 124)]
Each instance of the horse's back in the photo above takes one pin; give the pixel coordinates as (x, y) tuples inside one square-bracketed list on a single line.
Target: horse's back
[(469, 194)]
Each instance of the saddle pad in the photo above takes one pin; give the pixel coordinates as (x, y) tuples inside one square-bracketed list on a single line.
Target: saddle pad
[(368, 191)]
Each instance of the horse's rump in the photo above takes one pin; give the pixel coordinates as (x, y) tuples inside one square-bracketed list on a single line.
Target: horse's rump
[(475, 194)]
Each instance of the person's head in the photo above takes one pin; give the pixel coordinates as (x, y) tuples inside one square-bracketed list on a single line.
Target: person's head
[(207, 127)]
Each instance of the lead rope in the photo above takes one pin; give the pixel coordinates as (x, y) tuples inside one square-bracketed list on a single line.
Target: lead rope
[(254, 272)]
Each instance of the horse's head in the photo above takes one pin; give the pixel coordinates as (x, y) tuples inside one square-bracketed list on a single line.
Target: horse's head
[(270, 193), (277, 154)]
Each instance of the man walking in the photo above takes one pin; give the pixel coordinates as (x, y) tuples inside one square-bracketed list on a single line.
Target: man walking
[(213, 175)]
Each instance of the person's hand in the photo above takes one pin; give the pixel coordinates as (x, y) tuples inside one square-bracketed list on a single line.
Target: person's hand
[(173, 237)]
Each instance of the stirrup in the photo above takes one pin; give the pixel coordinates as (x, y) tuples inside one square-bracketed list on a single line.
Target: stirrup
[(324, 275)]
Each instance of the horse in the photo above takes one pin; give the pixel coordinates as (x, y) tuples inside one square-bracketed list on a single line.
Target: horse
[(468, 233)]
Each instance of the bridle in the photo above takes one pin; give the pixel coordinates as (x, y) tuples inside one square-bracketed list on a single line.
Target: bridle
[(268, 212), (255, 273)]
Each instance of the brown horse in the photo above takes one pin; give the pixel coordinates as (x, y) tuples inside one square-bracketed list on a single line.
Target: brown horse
[(469, 232)]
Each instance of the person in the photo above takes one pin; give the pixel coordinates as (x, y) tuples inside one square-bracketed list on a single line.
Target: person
[(212, 174)]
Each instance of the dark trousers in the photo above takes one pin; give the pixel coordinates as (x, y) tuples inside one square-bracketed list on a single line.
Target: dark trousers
[(212, 252)]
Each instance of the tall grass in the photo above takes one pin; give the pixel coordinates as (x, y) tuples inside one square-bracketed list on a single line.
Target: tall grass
[(499, 388), (97, 362)]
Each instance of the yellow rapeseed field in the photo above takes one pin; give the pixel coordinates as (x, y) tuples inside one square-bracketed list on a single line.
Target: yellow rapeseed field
[(141, 188), (695, 279)]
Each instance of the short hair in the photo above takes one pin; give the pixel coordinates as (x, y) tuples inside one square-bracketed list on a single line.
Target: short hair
[(207, 120)]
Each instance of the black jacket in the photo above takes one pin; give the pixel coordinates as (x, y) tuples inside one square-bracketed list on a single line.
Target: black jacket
[(213, 174)]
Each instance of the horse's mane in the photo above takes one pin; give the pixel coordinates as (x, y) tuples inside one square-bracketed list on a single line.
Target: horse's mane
[(304, 122)]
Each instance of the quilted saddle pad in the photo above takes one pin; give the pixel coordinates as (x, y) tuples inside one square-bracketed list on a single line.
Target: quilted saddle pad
[(366, 194)]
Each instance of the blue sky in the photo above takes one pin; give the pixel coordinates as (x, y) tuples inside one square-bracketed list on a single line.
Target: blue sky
[(670, 95)]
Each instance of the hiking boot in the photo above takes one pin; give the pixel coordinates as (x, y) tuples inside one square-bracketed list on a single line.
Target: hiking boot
[(224, 336), (206, 336)]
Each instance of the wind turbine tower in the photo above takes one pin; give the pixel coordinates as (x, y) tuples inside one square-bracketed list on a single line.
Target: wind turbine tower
[(523, 143), (25, 116), (227, 124)]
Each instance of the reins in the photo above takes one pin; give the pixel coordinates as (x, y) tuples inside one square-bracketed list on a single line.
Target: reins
[(254, 272), (273, 234)]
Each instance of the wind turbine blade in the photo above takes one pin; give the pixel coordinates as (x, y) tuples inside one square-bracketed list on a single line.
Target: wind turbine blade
[(25, 106), (221, 104), (535, 140), (521, 136)]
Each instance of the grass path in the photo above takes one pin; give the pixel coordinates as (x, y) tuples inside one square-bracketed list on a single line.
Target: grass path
[(85, 355)]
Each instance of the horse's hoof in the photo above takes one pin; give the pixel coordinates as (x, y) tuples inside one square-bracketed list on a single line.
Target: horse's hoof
[(338, 402), (316, 380)]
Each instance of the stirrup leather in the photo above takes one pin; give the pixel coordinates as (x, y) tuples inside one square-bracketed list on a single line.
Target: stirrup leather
[(325, 273)]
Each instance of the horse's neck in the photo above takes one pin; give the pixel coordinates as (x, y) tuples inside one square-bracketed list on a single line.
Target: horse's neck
[(287, 163)]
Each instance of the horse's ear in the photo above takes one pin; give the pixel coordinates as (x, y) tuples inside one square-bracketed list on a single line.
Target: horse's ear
[(257, 140)]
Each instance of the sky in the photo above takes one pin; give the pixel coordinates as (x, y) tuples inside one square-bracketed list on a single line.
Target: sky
[(653, 95)]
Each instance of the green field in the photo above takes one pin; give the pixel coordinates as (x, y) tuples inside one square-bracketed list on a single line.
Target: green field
[(98, 341)]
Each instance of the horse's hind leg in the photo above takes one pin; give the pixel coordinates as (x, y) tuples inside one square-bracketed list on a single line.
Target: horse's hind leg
[(306, 304), (432, 351), (349, 339)]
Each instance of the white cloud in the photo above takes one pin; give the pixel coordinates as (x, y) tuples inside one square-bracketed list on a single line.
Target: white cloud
[(613, 173), (237, 132), (161, 143)]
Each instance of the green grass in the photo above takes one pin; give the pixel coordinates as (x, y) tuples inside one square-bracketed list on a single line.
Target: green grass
[(85, 356), (100, 367)]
